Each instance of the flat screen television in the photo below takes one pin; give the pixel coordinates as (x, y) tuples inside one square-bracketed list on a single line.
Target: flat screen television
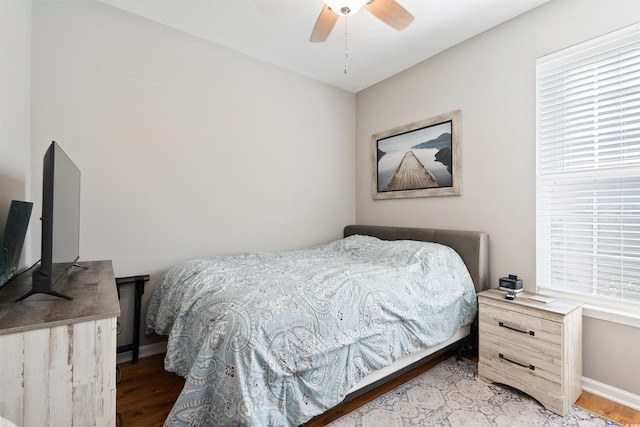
[(60, 219), (14, 234)]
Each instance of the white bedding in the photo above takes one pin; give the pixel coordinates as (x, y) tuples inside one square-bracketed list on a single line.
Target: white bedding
[(277, 338)]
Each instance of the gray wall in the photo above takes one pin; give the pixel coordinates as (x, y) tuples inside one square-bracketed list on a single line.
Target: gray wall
[(187, 149), (15, 67), (491, 78)]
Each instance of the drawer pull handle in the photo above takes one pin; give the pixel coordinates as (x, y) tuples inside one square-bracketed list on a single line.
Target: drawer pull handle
[(533, 368), (532, 333)]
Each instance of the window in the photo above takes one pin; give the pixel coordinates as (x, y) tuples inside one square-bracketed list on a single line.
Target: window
[(588, 169)]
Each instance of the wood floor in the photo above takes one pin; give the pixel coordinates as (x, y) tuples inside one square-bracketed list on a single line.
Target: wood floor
[(146, 392)]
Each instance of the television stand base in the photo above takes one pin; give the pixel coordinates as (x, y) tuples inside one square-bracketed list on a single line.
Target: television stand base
[(54, 293)]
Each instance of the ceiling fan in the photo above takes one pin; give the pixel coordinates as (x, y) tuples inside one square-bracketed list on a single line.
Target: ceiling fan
[(388, 11)]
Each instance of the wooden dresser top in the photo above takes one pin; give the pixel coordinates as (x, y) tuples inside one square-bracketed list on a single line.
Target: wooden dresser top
[(557, 305), (94, 293)]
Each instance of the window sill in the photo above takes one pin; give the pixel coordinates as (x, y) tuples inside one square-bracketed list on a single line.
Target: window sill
[(611, 315), (629, 316)]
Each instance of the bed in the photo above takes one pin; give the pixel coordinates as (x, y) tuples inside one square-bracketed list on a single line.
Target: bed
[(275, 338)]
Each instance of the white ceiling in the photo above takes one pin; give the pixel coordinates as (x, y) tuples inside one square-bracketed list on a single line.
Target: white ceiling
[(277, 31)]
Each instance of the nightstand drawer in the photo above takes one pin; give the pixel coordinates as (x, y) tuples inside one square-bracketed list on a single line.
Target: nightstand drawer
[(546, 391), (519, 361), (533, 334)]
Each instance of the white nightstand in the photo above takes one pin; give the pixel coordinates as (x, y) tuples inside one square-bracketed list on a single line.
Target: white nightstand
[(533, 346)]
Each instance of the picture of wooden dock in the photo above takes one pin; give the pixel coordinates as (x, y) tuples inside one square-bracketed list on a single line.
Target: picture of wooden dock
[(421, 159), (411, 174)]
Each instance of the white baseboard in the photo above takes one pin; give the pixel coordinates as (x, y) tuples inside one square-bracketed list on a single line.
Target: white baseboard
[(144, 351), (611, 393)]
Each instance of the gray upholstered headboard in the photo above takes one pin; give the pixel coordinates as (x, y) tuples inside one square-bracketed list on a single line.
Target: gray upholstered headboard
[(472, 246)]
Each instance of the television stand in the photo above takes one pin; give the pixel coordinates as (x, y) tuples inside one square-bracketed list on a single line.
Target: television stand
[(59, 357), (51, 292), (41, 286)]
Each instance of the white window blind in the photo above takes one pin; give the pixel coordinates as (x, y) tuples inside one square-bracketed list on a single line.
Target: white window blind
[(588, 168)]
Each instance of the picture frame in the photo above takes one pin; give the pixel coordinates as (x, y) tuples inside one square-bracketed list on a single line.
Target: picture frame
[(421, 159)]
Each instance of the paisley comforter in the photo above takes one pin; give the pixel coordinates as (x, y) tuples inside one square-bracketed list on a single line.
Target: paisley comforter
[(273, 339)]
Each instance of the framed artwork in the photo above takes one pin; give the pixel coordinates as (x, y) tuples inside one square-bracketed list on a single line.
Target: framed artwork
[(421, 159)]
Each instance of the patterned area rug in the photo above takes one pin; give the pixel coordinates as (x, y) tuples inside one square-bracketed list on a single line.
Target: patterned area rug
[(450, 394)]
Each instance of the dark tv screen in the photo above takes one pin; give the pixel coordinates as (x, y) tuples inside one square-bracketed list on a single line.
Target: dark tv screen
[(13, 240)]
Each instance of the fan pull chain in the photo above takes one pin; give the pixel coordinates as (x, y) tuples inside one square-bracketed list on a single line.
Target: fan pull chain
[(346, 45)]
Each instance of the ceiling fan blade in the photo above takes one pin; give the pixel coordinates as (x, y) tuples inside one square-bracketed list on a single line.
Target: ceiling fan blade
[(391, 13), (326, 20)]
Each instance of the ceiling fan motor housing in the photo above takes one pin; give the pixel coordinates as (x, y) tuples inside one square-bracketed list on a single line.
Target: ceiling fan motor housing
[(388, 11), (345, 7)]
